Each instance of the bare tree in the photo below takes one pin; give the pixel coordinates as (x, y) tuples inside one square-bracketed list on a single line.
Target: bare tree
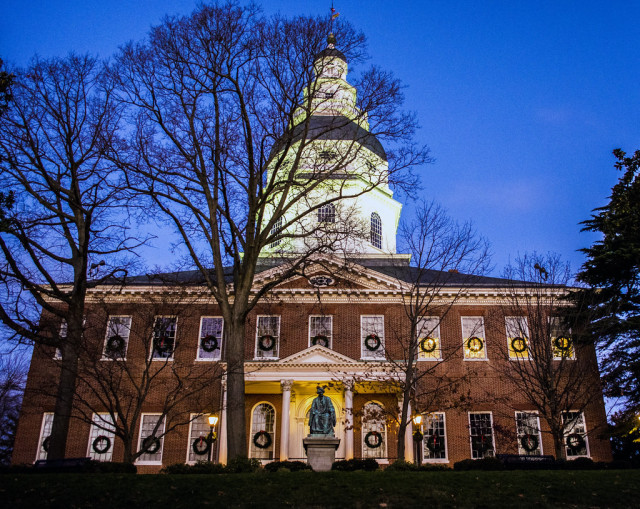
[(61, 228), (13, 375), (245, 128), (541, 358)]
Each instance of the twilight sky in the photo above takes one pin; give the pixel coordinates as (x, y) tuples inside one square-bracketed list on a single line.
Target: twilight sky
[(520, 102)]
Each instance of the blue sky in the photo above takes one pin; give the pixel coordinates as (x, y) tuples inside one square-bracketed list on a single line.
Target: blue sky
[(520, 102)]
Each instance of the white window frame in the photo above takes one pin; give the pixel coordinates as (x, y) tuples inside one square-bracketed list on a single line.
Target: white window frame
[(520, 433), (261, 354), (104, 419), (153, 337), (568, 431), (554, 329), (62, 334), (425, 328), (108, 334), (427, 419), (217, 353), (517, 326), (327, 213), (365, 353), (160, 432), (255, 452), (329, 333), (45, 432), (376, 231), (476, 331), (493, 435), (198, 419), (375, 426)]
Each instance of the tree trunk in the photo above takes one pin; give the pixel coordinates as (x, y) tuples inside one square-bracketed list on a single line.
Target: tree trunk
[(236, 425), (127, 455)]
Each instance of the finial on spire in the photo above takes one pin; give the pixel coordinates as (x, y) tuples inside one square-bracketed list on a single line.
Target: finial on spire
[(331, 41)]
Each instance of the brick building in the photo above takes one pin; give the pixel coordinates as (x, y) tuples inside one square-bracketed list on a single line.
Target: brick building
[(154, 362)]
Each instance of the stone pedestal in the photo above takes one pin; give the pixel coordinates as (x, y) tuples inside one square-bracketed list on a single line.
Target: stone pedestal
[(321, 451)]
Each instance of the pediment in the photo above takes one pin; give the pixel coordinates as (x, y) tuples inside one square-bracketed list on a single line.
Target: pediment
[(317, 355)]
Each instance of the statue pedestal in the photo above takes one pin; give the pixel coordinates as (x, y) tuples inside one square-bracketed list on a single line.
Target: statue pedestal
[(321, 451)]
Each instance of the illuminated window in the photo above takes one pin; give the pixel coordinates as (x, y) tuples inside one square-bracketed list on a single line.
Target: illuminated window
[(263, 425), (474, 344), (428, 329), (517, 337), (376, 230), (561, 341)]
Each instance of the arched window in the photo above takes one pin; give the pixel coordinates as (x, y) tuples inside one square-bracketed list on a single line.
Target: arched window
[(327, 213), (277, 226), (376, 230), (374, 431), (263, 422)]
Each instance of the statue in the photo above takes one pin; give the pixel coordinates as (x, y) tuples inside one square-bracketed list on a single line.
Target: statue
[(322, 417)]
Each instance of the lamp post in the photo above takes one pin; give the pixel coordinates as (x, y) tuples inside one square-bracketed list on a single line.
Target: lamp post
[(213, 420), (417, 437)]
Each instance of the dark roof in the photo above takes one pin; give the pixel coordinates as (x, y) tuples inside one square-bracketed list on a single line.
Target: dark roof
[(397, 269), (324, 127), (331, 52)]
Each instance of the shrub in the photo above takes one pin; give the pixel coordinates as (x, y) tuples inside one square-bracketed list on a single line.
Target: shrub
[(434, 467), (201, 467), (481, 464), (84, 467), (240, 465), (402, 466), (352, 465), (291, 466), (580, 464)]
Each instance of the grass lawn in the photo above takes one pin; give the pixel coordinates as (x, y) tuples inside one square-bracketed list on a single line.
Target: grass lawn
[(573, 489)]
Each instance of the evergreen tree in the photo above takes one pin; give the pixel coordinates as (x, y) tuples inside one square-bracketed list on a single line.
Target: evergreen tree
[(613, 272)]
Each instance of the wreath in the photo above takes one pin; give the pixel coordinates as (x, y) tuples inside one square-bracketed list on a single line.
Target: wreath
[(115, 344), (45, 444), (562, 343), (418, 436), (321, 339), (519, 345), (575, 441), (162, 344), (266, 342), (435, 443), (150, 445), (482, 443), (428, 345), (475, 344), (101, 444), (373, 439), (372, 342), (202, 445), (262, 440), (209, 343), (529, 442)]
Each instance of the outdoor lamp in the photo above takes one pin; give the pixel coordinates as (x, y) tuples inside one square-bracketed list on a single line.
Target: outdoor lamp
[(213, 420), (417, 420)]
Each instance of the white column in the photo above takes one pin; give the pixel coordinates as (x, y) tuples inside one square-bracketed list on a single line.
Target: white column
[(222, 435), (285, 418), (348, 406), (408, 432)]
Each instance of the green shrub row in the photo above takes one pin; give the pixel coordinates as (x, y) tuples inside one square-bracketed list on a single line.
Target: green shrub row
[(88, 467), (352, 465), (576, 464), (235, 466)]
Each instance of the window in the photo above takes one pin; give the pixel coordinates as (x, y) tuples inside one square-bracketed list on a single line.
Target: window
[(372, 337), (117, 337), (198, 439), (164, 337), (528, 433), (101, 437), (376, 230), (517, 337), (575, 434), (151, 439), (435, 437), (561, 341), (481, 434), (429, 338), (474, 344), (374, 431), (45, 433), (275, 229), (210, 344), (263, 425), (320, 330), (267, 337), (62, 335), (327, 213)]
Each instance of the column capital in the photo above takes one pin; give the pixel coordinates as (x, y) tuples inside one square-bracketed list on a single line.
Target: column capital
[(348, 385), (286, 385)]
